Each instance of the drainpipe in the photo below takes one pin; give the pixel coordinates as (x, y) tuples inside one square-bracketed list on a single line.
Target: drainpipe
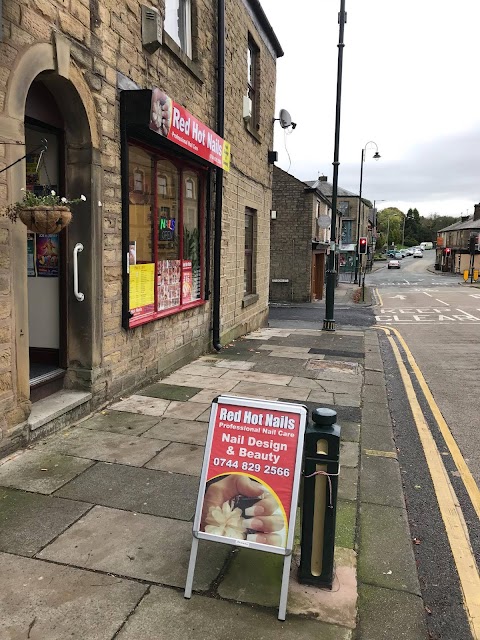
[(217, 246)]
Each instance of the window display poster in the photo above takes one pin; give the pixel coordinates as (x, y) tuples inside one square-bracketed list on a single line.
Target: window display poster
[(187, 281), (142, 291), (132, 252), (168, 284), (249, 484), (31, 271), (48, 253)]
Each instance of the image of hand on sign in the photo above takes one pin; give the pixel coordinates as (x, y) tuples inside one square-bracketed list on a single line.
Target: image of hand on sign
[(237, 506)]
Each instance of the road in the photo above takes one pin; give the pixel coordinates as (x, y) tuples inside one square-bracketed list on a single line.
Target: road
[(430, 349), (428, 325)]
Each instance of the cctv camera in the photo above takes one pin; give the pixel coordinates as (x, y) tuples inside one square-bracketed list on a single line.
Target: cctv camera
[(294, 125)]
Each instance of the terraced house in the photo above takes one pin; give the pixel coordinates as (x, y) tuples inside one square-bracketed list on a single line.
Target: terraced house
[(161, 116)]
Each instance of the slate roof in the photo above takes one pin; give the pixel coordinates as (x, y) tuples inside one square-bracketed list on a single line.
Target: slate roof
[(327, 189), (458, 226)]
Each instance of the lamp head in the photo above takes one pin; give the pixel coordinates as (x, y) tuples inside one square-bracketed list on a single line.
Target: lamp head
[(377, 156)]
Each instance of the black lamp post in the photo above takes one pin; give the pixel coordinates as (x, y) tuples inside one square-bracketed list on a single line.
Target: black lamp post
[(375, 157), (328, 321)]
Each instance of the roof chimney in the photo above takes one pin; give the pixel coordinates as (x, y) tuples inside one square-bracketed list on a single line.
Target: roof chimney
[(324, 179), (476, 213)]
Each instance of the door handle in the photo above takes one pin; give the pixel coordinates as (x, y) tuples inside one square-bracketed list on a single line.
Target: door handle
[(78, 294)]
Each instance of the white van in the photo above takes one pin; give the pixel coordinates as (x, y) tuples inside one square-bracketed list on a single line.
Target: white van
[(426, 245)]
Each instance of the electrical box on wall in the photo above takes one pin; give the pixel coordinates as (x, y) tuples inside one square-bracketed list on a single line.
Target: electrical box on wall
[(151, 29)]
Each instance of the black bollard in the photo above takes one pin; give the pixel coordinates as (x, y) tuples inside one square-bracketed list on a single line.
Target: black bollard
[(319, 506)]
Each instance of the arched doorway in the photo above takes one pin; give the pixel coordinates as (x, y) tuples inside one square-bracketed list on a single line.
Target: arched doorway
[(64, 346)]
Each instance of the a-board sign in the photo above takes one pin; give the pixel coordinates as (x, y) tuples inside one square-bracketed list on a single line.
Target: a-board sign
[(250, 477)]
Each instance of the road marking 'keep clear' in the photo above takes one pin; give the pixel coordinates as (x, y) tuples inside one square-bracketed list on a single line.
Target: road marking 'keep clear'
[(424, 315)]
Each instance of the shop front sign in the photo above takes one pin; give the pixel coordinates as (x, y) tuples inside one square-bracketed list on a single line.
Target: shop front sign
[(174, 122)]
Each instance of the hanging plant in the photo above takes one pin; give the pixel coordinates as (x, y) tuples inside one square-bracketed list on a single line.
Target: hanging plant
[(46, 214)]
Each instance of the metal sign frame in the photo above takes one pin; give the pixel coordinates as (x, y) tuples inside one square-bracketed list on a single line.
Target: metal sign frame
[(286, 551)]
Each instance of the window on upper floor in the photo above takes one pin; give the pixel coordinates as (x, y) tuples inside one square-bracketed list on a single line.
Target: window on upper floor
[(252, 83), (178, 23), (344, 208), (250, 251)]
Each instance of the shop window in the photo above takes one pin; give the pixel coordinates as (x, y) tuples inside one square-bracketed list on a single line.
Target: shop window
[(178, 23), (252, 83), (249, 269), (347, 228), (165, 229)]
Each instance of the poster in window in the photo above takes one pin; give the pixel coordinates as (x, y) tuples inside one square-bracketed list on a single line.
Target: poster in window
[(168, 284), (187, 281), (132, 252), (48, 253), (31, 271), (142, 292)]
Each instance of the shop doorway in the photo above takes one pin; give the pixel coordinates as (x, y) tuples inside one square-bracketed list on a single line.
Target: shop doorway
[(46, 254), (318, 276)]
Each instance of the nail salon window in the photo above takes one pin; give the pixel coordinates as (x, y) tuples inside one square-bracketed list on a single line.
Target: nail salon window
[(165, 230)]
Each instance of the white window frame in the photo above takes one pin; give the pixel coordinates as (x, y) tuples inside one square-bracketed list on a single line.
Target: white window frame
[(179, 27)]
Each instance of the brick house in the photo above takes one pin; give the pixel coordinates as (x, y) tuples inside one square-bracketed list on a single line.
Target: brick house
[(130, 116), (348, 211), (453, 245), (299, 239)]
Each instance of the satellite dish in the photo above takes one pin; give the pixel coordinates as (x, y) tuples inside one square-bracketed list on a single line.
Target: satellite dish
[(323, 222), (285, 119)]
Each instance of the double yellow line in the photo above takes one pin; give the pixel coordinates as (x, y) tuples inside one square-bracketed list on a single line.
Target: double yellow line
[(450, 510)]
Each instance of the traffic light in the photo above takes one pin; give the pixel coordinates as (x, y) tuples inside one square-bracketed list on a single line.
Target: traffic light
[(447, 252), (362, 245)]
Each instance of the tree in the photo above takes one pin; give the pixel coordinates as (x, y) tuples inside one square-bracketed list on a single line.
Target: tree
[(390, 220)]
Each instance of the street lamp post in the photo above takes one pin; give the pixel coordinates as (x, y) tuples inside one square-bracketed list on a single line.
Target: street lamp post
[(328, 321), (376, 157)]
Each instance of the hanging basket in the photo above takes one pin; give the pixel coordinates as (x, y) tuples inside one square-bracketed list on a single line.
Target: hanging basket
[(45, 219)]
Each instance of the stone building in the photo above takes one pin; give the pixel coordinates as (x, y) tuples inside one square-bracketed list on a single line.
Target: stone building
[(119, 101), (299, 239), (458, 245)]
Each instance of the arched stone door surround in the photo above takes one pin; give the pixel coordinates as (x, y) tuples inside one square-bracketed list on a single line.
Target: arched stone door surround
[(51, 64)]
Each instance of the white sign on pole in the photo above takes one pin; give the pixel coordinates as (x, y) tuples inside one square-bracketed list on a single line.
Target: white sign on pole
[(250, 477)]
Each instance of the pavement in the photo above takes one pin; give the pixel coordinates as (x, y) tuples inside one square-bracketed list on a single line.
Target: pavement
[(95, 521)]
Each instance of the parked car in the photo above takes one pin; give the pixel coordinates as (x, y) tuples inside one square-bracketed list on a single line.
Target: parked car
[(409, 252), (418, 253), (394, 264), (398, 256)]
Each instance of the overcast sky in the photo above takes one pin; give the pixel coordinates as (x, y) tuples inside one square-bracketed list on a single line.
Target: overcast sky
[(410, 84)]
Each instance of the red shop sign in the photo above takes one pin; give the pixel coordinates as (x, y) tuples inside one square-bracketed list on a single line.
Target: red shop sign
[(251, 471), (174, 122)]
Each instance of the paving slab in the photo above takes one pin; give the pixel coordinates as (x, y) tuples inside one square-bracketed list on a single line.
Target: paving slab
[(105, 446), (375, 413), (375, 393), (349, 454), (165, 614), (255, 577), (202, 382), (344, 414), (350, 431), (169, 392), (142, 405), (176, 430), (197, 368), (119, 422), (375, 377), (186, 410), (381, 563), (320, 397), (348, 484), (380, 481), (139, 546), (386, 614), (40, 471), (206, 396), (346, 400), (43, 601), (140, 490), (346, 524), (28, 521), (288, 366), (179, 458), (276, 350), (378, 437), (238, 365), (256, 376)]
